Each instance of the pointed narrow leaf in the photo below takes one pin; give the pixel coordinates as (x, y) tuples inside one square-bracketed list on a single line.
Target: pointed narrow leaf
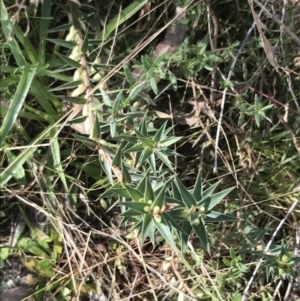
[(130, 212), (85, 44), (136, 148), (145, 155), (128, 75), (217, 217), (56, 155), (143, 127), (176, 192), (106, 98), (147, 142), (208, 192), (165, 231), (185, 235), (142, 185), (7, 29), (67, 60), (17, 101), (149, 193), (96, 128), (126, 174), (148, 224), (117, 103), (136, 195), (198, 188), (128, 137), (159, 135), (186, 196), (152, 163), (169, 141), (115, 189), (118, 156), (118, 20), (137, 90), (137, 206), (210, 202), (63, 43), (202, 234), (107, 168), (153, 85), (164, 159)]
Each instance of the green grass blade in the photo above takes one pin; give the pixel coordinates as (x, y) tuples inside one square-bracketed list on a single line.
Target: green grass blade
[(17, 101), (127, 13), (28, 48), (44, 26), (24, 156), (8, 32), (56, 158)]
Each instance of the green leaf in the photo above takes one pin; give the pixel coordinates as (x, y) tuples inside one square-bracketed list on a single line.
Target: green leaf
[(17, 101), (55, 150), (130, 212), (136, 148), (68, 61), (32, 247), (143, 131), (44, 26), (149, 193), (210, 202), (208, 192), (148, 225), (186, 197), (153, 85), (107, 168), (185, 234), (175, 191), (63, 43), (147, 141), (202, 234), (135, 194), (152, 163), (160, 134), (128, 137), (85, 44), (67, 86), (118, 156), (126, 174), (160, 197), (169, 141), (10, 40), (217, 217), (116, 105), (164, 158), (127, 13), (45, 267), (198, 188), (137, 206), (106, 98), (24, 156), (165, 231), (146, 154), (177, 214), (142, 184), (28, 48), (18, 174), (128, 75), (137, 90)]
